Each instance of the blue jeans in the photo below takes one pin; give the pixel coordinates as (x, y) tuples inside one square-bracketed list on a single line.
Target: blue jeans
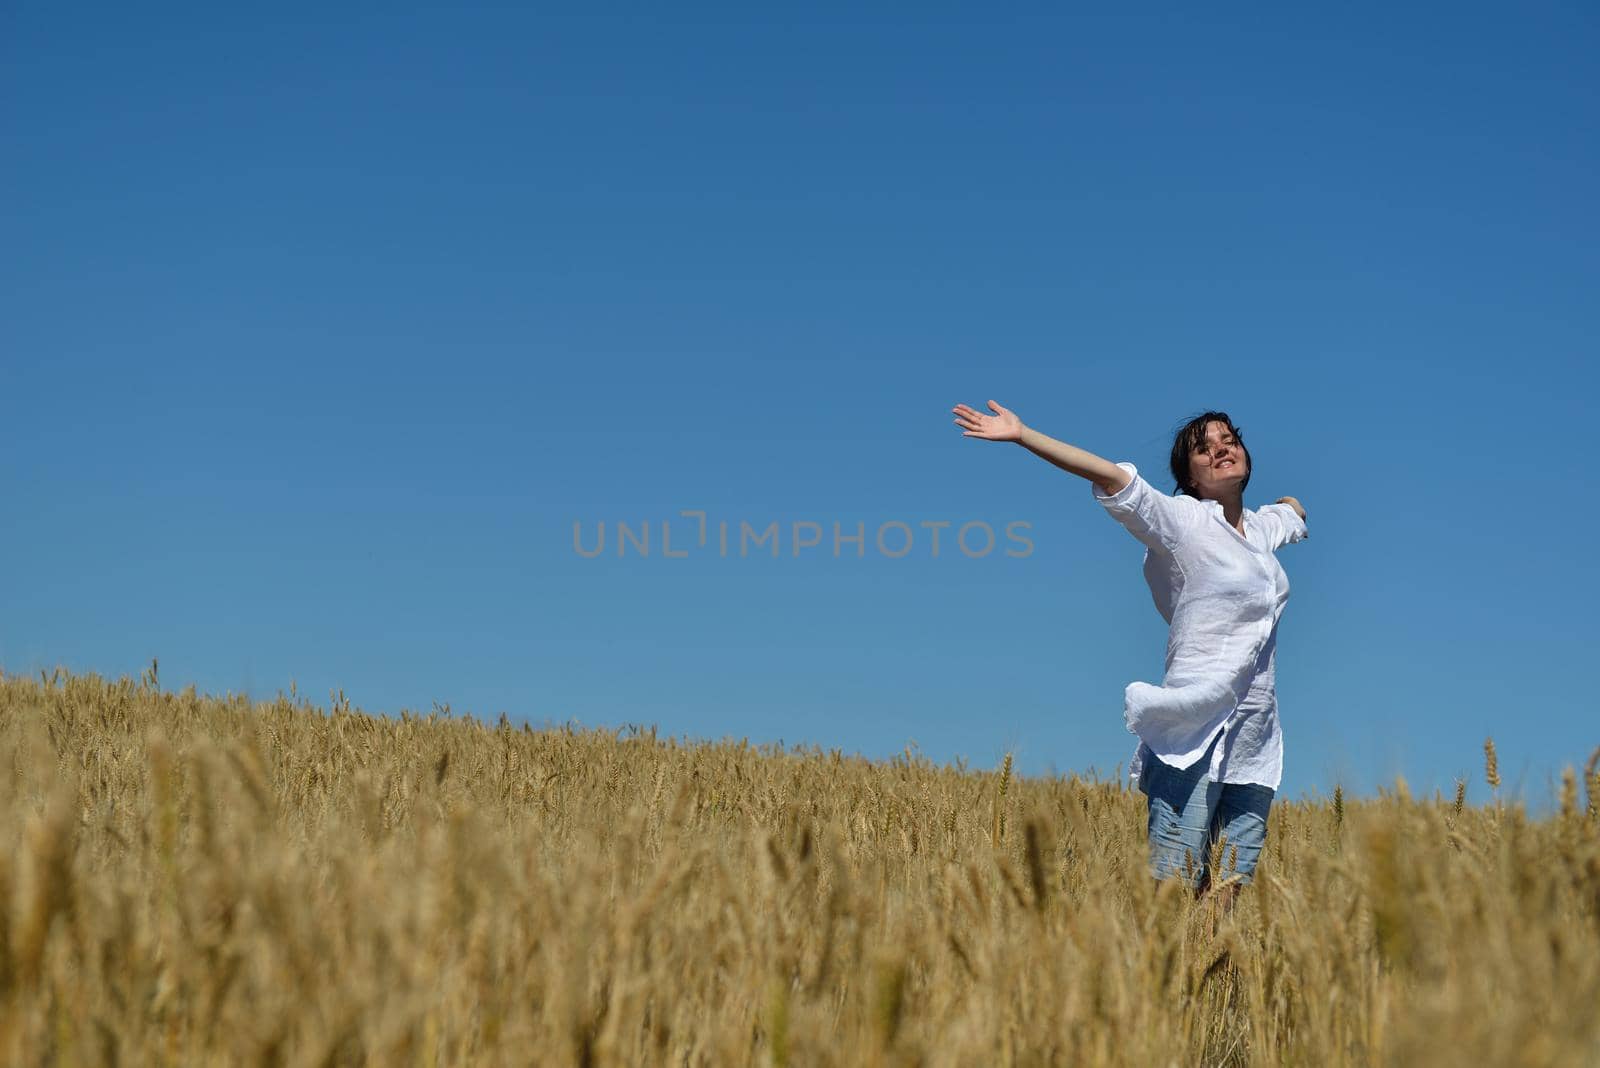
[(1188, 812)]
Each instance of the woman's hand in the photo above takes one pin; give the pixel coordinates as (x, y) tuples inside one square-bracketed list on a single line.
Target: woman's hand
[(1292, 503), (1002, 426)]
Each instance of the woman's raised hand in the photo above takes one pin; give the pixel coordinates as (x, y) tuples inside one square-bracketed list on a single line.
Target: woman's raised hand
[(1002, 426), (1299, 510)]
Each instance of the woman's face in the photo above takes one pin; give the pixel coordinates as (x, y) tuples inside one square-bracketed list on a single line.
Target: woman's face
[(1220, 466)]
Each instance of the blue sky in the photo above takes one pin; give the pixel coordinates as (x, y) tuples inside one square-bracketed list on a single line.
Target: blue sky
[(324, 325)]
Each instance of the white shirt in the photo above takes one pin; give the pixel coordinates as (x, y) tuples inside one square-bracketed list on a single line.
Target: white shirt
[(1222, 595)]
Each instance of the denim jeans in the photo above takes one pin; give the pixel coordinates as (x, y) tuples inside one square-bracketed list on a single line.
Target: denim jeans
[(1188, 812)]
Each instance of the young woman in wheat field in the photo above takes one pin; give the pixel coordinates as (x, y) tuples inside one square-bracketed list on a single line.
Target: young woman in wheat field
[(1210, 752)]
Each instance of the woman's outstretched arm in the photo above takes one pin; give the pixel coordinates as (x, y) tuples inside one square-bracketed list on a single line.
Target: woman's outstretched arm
[(1286, 522), (1005, 426)]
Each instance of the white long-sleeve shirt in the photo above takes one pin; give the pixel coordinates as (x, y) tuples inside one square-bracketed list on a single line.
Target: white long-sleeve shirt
[(1222, 595)]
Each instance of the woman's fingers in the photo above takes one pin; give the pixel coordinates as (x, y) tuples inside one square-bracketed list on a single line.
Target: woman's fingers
[(976, 424), (974, 430)]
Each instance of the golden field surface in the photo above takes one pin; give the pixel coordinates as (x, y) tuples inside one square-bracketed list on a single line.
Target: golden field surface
[(201, 881)]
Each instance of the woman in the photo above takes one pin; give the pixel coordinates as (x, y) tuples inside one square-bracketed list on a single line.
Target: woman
[(1210, 753)]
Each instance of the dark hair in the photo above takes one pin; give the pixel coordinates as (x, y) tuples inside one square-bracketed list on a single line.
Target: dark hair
[(1191, 436)]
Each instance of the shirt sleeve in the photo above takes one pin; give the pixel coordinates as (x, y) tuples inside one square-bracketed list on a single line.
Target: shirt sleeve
[(1159, 521), (1284, 525)]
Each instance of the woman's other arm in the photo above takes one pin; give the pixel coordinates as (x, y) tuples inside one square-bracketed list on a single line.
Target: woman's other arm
[(1005, 426), (1287, 522)]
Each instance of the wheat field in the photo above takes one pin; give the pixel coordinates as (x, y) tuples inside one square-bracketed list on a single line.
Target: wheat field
[(200, 881)]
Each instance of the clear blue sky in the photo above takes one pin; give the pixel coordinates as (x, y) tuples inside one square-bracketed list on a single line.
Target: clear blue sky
[(323, 325)]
